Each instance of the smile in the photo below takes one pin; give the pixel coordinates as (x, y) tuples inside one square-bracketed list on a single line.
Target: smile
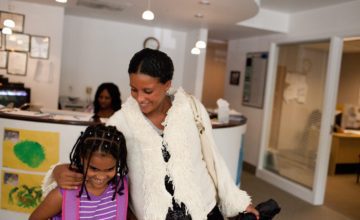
[(143, 104), (98, 181)]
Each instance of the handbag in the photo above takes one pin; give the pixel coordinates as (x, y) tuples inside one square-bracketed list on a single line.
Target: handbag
[(205, 143), (267, 211)]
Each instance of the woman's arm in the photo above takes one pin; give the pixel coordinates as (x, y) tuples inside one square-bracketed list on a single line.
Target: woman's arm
[(66, 178), (61, 175), (232, 199), (49, 207)]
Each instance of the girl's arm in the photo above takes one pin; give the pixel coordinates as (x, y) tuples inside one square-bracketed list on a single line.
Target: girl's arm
[(49, 207)]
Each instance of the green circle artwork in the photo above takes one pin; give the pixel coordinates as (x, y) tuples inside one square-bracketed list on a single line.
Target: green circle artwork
[(30, 153)]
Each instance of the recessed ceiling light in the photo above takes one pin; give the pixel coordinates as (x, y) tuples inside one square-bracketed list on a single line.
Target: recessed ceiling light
[(199, 15), (61, 1), (204, 2)]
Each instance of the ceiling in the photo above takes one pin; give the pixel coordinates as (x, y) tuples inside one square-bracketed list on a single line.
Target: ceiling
[(294, 6), (220, 16)]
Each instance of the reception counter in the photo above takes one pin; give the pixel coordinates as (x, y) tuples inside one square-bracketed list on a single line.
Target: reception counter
[(54, 138)]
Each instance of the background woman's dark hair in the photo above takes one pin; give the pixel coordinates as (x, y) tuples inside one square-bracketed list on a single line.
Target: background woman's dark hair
[(103, 139), (114, 94), (153, 63)]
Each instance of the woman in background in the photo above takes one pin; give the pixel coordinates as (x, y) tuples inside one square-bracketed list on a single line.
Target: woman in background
[(107, 101)]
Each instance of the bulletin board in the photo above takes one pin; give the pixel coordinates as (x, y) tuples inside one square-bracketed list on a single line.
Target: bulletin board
[(255, 79)]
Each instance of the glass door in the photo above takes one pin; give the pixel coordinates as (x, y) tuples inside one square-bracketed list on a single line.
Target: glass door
[(298, 116)]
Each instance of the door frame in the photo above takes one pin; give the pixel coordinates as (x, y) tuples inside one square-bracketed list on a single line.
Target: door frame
[(315, 195)]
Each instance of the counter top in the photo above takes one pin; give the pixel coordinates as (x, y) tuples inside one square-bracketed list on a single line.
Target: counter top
[(347, 135), (57, 120), (232, 123), (46, 118)]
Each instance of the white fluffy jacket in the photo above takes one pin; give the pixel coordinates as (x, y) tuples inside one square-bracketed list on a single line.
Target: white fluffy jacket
[(187, 170)]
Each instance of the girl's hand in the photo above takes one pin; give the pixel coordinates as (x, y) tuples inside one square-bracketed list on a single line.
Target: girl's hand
[(66, 178), (252, 210)]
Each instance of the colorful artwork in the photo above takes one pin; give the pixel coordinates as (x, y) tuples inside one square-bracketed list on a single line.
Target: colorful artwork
[(30, 153), (20, 192), (30, 150)]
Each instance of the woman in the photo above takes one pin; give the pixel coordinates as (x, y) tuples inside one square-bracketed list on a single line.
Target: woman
[(107, 101), (167, 175)]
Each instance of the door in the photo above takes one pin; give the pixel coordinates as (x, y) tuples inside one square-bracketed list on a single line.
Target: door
[(298, 114)]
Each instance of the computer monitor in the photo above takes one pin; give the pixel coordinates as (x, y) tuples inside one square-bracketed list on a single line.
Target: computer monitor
[(17, 96)]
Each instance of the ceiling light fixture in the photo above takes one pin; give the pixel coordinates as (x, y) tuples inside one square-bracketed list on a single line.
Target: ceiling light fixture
[(6, 30), (9, 23), (195, 51), (200, 44), (148, 14)]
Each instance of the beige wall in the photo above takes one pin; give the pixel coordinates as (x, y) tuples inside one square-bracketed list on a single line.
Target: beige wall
[(214, 76), (349, 85)]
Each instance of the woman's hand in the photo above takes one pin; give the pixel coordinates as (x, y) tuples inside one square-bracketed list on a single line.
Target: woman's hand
[(252, 210), (66, 178)]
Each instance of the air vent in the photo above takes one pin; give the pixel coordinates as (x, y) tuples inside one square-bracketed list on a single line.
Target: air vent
[(110, 5)]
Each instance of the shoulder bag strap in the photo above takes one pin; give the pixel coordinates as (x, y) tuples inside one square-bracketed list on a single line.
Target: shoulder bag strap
[(205, 143), (70, 205), (122, 202)]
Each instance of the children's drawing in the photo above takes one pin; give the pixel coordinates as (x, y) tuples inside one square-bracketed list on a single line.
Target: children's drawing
[(30, 153), (30, 150), (20, 192), (25, 196)]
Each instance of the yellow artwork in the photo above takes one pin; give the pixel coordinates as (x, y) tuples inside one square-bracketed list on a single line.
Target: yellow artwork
[(30, 150), (20, 192)]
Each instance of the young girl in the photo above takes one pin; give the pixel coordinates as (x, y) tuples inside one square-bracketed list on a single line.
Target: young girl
[(100, 155)]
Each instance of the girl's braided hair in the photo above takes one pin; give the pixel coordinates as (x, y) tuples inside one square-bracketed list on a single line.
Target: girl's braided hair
[(103, 139)]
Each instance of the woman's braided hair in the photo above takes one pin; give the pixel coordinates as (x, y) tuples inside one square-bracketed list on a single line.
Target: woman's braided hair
[(106, 140)]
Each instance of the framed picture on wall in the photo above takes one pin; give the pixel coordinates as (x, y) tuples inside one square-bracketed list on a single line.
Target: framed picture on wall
[(234, 77), (19, 20), (39, 47), (17, 63), (3, 59), (17, 42), (255, 79)]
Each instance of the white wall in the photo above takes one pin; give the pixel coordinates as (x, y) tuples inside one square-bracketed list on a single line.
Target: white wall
[(237, 50), (45, 21), (97, 50), (340, 20), (194, 64)]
